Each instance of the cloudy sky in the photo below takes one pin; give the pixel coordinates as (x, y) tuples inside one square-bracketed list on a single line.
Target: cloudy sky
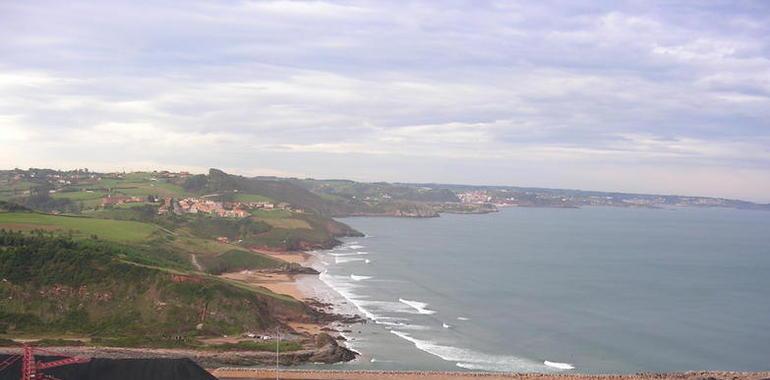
[(669, 97)]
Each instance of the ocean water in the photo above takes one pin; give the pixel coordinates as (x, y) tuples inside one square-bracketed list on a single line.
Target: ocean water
[(592, 290)]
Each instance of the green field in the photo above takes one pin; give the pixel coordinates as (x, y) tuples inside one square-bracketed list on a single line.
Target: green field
[(79, 195), (140, 184), (289, 223), (163, 189), (236, 260), (115, 230)]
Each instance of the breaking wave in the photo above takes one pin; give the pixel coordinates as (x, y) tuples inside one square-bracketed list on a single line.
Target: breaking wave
[(343, 260), (342, 254), (421, 307), (475, 360), (359, 278), (558, 365)]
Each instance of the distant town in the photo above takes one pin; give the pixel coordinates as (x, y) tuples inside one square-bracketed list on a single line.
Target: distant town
[(567, 198)]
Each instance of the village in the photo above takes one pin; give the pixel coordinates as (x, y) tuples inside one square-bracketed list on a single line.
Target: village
[(221, 209)]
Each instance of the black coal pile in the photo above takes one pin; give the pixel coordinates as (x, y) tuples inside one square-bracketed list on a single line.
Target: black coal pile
[(116, 369)]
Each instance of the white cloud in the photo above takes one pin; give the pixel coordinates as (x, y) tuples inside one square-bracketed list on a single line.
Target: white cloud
[(296, 85)]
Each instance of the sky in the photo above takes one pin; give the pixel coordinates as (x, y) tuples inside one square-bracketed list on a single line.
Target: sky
[(641, 96)]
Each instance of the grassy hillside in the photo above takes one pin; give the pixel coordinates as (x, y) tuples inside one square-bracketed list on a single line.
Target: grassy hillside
[(96, 288), (117, 230), (278, 190), (124, 259), (378, 191), (177, 244)]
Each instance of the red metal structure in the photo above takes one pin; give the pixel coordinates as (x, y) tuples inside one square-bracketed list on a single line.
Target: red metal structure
[(31, 369)]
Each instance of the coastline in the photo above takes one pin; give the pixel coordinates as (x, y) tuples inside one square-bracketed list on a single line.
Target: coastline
[(308, 288), (251, 373)]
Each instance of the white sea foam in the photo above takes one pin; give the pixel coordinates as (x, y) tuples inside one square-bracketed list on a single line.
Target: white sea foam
[(355, 246), (367, 261), (344, 287), (558, 365), (343, 260), (463, 319), (421, 307), (387, 307), (359, 278), (471, 359), (340, 254), (375, 360), (446, 326)]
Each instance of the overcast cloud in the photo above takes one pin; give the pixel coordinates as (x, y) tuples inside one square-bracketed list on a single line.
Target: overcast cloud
[(669, 97)]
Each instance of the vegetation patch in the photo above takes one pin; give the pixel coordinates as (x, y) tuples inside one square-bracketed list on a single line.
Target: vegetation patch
[(236, 260), (116, 230), (257, 346), (55, 285)]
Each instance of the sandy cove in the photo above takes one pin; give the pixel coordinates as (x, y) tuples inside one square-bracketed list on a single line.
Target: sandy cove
[(282, 283), (249, 373), (279, 283)]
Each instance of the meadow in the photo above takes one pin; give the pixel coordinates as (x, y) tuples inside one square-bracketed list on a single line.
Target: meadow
[(115, 230)]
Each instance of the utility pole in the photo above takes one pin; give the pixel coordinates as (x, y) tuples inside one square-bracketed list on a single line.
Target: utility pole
[(277, 350)]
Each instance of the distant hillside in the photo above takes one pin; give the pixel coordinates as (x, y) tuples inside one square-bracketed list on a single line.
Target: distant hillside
[(334, 198), (219, 182), (361, 191)]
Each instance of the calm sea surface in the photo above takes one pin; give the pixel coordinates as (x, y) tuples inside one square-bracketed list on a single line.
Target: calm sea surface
[(597, 289)]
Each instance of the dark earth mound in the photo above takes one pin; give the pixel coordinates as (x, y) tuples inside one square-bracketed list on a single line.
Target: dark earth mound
[(117, 369)]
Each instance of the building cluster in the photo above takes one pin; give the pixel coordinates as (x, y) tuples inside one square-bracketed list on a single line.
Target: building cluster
[(476, 197), (205, 206), (216, 208)]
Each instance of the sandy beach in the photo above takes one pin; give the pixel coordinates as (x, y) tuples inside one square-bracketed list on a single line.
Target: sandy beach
[(298, 257), (279, 283), (282, 283)]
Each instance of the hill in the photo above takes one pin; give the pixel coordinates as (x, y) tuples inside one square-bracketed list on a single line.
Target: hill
[(100, 289), (232, 187)]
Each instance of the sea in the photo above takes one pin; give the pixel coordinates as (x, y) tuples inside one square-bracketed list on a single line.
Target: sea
[(590, 290)]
